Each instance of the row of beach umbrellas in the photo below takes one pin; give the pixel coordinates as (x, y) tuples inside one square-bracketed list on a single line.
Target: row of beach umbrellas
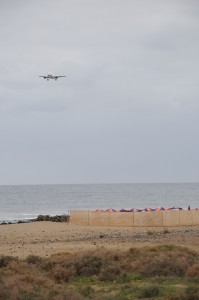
[(141, 209)]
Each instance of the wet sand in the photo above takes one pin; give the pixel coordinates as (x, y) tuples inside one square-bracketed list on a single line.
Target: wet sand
[(46, 238)]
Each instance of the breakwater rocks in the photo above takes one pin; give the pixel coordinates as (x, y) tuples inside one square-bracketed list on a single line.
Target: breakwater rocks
[(61, 218), (58, 218)]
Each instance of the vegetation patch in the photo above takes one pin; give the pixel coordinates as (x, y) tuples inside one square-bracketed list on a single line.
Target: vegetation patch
[(160, 272)]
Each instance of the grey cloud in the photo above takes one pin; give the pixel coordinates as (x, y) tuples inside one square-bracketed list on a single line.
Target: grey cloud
[(128, 110)]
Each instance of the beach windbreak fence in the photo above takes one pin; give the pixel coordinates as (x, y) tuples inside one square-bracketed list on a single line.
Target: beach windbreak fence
[(145, 218)]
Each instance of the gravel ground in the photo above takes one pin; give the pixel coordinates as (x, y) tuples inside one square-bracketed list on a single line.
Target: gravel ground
[(46, 238)]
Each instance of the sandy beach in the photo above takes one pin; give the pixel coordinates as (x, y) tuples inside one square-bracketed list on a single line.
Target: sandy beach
[(46, 238)]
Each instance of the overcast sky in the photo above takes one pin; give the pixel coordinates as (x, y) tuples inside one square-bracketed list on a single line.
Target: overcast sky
[(128, 110)]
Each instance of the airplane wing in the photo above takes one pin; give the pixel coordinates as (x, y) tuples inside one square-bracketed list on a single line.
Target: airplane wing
[(43, 77), (60, 76)]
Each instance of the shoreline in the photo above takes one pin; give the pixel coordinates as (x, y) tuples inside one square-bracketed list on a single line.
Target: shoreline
[(65, 217)]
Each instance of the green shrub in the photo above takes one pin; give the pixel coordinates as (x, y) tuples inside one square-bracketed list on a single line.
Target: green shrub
[(5, 260), (88, 265), (192, 293), (131, 277), (149, 292), (33, 259), (193, 271), (110, 273), (26, 295), (4, 293), (86, 291), (62, 274)]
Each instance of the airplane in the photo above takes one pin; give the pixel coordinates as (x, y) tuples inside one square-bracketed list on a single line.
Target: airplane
[(51, 76)]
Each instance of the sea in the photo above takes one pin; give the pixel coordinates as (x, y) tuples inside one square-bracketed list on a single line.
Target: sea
[(23, 202)]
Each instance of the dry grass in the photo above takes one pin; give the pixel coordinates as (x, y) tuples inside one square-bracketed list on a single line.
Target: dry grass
[(61, 276)]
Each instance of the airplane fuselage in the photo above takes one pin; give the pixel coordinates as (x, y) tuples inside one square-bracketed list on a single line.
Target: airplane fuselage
[(50, 76)]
